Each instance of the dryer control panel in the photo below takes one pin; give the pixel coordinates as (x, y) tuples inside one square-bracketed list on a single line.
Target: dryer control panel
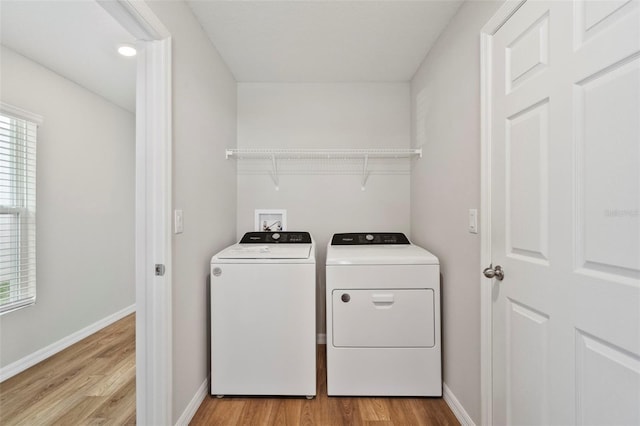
[(282, 237), (369, 238)]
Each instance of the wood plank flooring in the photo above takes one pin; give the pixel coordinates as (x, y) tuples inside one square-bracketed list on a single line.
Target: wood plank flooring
[(90, 382), (93, 382), (323, 411)]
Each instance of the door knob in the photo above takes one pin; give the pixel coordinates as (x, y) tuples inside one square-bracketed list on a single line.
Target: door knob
[(492, 272)]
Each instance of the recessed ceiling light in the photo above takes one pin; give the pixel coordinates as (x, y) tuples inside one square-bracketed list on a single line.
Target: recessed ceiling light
[(127, 50)]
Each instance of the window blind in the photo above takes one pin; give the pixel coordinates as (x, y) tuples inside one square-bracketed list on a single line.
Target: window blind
[(17, 211)]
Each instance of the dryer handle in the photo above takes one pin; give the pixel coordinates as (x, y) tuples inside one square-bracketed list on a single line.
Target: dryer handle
[(382, 300)]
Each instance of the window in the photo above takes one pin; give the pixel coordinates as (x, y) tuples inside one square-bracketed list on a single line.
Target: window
[(18, 131)]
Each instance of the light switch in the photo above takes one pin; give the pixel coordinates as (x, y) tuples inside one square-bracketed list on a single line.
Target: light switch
[(178, 224), (473, 221)]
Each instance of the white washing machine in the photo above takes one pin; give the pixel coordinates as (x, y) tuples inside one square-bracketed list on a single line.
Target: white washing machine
[(263, 316), (383, 317)]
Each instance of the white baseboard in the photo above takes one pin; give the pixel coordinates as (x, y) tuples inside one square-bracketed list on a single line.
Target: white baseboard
[(457, 408), (194, 404), (32, 359), (322, 339)]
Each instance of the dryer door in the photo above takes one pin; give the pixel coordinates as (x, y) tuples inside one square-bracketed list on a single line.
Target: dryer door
[(376, 318)]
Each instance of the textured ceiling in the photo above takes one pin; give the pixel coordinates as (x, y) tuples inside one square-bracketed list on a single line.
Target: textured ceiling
[(76, 39), (323, 41)]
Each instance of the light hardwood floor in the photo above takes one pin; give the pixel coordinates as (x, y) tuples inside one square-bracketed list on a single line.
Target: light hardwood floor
[(91, 382), (323, 410)]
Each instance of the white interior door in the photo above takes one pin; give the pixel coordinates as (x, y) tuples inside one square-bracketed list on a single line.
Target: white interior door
[(564, 122)]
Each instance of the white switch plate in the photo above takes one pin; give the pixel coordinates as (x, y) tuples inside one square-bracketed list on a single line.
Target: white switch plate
[(178, 223), (473, 221)]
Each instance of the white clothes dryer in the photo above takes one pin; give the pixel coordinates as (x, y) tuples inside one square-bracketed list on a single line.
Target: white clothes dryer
[(383, 317), (263, 316)]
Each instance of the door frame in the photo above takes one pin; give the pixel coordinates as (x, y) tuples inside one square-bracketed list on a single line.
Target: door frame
[(153, 199), (486, 336)]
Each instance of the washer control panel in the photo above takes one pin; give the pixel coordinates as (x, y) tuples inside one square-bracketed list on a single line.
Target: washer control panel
[(369, 238), (280, 237)]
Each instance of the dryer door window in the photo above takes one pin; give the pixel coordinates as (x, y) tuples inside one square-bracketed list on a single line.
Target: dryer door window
[(383, 318)]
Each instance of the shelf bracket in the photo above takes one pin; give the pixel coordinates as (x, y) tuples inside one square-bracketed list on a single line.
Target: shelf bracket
[(274, 172), (365, 173)]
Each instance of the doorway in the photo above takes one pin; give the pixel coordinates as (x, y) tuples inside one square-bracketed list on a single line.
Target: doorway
[(152, 207)]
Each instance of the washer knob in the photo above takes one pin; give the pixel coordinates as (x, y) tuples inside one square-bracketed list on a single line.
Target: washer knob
[(275, 236), (369, 237)]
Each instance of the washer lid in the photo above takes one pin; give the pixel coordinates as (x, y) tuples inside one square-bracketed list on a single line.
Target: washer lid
[(404, 254), (266, 251)]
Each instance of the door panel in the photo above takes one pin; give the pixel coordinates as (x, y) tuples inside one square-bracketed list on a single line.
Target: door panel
[(527, 365), (608, 383), (526, 183), (607, 132), (528, 54), (602, 24)]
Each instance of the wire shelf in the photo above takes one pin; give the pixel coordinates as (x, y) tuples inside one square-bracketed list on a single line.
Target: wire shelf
[(321, 153), (275, 155)]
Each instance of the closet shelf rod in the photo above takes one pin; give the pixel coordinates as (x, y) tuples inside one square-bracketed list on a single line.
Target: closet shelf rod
[(322, 153)]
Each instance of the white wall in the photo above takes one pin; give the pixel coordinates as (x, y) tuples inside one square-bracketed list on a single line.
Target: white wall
[(204, 187), (348, 115), (445, 95), (85, 208)]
